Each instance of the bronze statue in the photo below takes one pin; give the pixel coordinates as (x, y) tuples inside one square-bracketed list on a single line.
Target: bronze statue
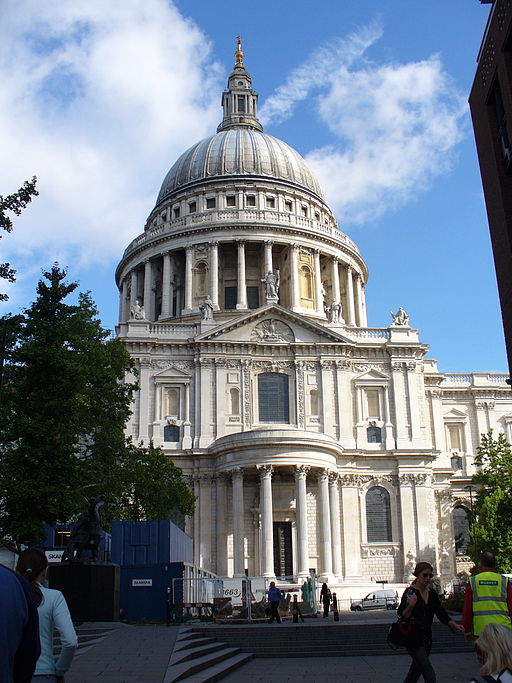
[(87, 533)]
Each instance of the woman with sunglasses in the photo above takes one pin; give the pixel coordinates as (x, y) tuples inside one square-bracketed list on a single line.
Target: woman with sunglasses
[(420, 602)]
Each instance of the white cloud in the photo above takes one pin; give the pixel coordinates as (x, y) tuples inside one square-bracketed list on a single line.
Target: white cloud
[(394, 126), (97, 99)]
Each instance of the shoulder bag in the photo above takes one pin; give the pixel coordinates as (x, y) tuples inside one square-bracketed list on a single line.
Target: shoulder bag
[(405, 633)]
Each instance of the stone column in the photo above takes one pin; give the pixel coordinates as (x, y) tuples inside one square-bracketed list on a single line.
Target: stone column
[(241, 303), (269, 265), (123, 308), (301, 472), (197, 523), (361, 315), (166, 286), (414, 409), (364, 317), (334, 509), (351, 527), (319, 299), (267, 529), (188, 278), (335, 277), (399, 392), (221, 529), (145, 384), (148, 289), (294, 277), (436, 396), (133, 288), (237, 478), (407, 514), (205, 521), (350, 297), (326, 396), (214, 274), (325, 526)]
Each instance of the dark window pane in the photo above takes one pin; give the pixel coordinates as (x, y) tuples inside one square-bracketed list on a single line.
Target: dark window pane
[(253, 297), (378, 515), (230, 298), (171, 433), (374, 435), (273, 397)]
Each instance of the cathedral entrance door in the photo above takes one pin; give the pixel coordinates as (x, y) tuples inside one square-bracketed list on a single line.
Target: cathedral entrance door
[(283, 565)]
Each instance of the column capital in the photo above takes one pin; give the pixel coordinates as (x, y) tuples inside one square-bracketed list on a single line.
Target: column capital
[(240, 242), (265, 471), (301, 471), (269, 243), (322, 474), (237, 473), (334, 478), (214, 243), (349, 268)]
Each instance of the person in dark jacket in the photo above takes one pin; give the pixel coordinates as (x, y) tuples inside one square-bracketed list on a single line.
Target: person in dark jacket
[(325, 598), (274, 596), (19, 629), (420, 602)]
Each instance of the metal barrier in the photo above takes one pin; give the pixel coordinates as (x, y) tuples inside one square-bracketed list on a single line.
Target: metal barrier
[(203, 596)]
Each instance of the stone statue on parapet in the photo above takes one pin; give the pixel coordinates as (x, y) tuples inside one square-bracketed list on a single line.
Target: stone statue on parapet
[(271, 282), (137, 311), (206, 309), (334, 312), (87, 533), (400, 318)]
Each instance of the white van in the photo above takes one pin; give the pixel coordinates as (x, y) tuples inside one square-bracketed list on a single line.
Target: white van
[(384, 599)]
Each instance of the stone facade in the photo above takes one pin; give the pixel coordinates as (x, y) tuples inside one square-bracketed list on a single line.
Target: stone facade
[(311, 440)]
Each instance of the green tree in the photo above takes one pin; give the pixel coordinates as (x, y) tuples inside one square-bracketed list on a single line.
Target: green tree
[(62, 419), (491, 528), (14, 203)]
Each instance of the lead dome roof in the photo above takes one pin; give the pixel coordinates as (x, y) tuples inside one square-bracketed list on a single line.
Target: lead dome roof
[(239, 151)]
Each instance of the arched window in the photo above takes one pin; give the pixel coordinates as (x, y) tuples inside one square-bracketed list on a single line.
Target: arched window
[(171, 433), (374, 435), (378, 515), (460, 529), (201, 275), (234, 401), (306, 282), (273, 397)]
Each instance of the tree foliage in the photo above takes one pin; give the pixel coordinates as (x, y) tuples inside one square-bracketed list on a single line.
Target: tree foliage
[(62, 419), (492, 513), (14, 203)]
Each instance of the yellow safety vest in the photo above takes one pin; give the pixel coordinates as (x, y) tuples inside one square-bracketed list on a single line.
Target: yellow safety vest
[(489, 601)]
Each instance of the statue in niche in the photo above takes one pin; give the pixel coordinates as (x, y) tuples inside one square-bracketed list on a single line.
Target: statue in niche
[(137, 311), (206, 309), (334, 312), (271, 282), (409, 567), (400, 318)]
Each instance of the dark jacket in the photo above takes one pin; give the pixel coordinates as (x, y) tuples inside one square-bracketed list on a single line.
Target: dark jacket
[(423, 614)]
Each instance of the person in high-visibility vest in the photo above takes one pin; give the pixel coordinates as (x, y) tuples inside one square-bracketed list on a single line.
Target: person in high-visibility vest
[(487, 600)]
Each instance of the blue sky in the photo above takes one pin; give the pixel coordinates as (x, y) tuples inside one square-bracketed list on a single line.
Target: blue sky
[(99, 98)]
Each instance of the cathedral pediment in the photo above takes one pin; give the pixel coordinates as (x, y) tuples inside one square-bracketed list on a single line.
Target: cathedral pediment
[(371, 376), (455, 414), (170, 372), (273, 324)]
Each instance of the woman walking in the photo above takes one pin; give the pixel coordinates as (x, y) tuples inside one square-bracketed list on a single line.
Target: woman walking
[(419, 603), (325, 598), (53, 613)]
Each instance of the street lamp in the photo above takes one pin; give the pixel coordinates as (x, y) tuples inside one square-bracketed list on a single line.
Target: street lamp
[(470, 488), (5, 322)]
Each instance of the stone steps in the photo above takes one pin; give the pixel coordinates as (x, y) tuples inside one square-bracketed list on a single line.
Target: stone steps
[(287, 640), (201, 658)]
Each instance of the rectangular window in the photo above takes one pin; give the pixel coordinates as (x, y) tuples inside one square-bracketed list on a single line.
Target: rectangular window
[(253, 298), (273, 397), (176, 212), (230, 296), (250, 200), (501, 120), (372, 403), (271, 203), (304, 211), (192, 207), (288, 205), (231, 200), (454, 437), (210, 203), (240, 103)]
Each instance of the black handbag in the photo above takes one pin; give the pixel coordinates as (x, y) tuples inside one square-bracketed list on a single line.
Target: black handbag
[(404, 633)]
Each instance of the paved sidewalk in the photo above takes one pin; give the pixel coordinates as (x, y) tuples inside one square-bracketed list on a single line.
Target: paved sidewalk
[(135, 653)]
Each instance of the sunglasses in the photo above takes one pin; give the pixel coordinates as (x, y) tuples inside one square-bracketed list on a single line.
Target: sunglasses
[(427, 576)]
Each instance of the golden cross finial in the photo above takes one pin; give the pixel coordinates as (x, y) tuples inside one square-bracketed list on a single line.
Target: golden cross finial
[(239, 55)]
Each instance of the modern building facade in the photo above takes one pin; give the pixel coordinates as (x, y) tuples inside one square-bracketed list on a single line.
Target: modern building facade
[(312, 441), (491, 109)]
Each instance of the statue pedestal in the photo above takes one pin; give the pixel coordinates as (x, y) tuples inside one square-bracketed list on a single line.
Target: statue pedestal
[(91, 589)]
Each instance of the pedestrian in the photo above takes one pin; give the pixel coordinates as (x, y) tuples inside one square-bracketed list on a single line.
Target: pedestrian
[(274, 596), (419, 603), (53, 614), (487, 600), (325, 598), (19, 629), (495, 644)]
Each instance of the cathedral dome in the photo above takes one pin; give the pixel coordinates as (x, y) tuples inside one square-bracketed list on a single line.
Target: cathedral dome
[(239, 151)]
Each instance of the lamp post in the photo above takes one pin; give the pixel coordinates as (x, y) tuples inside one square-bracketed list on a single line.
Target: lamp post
[(470, 488), (5, 322)]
